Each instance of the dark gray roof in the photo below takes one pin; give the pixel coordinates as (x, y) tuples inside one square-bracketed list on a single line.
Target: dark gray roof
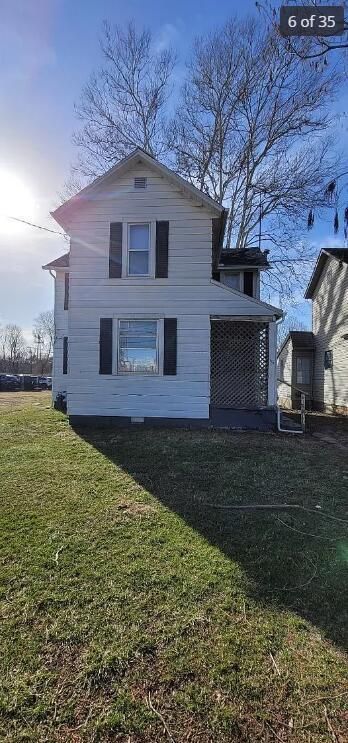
[(341, 254), (61, 262), (246, 257), (302, 339)]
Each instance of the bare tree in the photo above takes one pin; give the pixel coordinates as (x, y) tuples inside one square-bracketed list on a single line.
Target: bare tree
[(123, 104), (319, 46), (13, 346), (43, 334), (202, 132), (251, 130)]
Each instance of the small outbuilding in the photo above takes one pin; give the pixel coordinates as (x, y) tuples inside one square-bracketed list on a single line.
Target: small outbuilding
[(295, 369)]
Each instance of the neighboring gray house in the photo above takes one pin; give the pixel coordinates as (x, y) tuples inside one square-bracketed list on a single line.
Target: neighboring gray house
[(154, 322), (317, 362)]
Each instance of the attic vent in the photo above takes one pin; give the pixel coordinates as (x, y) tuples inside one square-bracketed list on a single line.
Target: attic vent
[(140, 182)]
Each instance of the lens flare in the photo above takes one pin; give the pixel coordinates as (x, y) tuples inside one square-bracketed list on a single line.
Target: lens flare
[(16, 200)]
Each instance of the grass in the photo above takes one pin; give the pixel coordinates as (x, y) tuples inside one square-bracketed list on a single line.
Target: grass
[(126, 601)]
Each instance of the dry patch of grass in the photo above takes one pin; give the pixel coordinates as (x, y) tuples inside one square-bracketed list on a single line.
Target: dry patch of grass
[(131, 611), (19, 400)]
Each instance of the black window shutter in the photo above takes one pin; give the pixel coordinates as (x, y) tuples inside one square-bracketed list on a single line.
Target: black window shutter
[(115, 250), (162, 233), (65, 355), (216, 229), (66, 291), (105, 346), (170, 345), (248, 283)]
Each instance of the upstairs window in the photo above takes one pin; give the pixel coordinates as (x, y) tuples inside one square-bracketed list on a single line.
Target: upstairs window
[(138, 249), (303, 370), (137, 346)]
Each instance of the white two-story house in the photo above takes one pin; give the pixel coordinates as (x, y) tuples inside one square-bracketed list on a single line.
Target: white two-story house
[(154, 322)]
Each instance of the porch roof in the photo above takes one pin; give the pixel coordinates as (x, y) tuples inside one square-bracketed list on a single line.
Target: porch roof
[(61, 262), (247, 257)]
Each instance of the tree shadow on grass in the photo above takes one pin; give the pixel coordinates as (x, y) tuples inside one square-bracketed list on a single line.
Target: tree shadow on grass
[(293, 559)]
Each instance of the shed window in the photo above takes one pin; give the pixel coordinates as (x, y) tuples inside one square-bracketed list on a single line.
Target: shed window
[(137, 346), (138, 249), (328, 360), (303, 370)]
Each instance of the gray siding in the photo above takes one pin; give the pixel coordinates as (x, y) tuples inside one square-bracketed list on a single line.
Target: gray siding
[(330, 323)]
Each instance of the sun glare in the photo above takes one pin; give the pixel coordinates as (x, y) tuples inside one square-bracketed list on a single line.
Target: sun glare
[(16, 200)]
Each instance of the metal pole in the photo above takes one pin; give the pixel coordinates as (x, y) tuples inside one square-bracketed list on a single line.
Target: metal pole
[(303, 411)]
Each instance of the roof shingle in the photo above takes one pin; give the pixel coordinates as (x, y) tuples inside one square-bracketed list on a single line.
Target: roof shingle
[(245, 257), (302, 339)]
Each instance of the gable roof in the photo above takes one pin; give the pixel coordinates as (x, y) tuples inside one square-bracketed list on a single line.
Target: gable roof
[(340, 254), (61, 262), (245, 257), (302, 340), (136, 157)]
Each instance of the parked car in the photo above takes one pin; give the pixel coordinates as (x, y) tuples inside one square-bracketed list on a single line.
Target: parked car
[(44, 383), (28, 382), (9, 383)]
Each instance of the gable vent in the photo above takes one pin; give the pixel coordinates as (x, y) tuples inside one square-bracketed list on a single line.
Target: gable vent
[(140, 182)]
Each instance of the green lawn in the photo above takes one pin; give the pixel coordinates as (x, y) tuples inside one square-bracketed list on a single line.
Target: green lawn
[(127, 601)]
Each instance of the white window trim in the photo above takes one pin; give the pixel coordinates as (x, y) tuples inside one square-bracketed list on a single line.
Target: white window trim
[(152, 249), (159, 346)]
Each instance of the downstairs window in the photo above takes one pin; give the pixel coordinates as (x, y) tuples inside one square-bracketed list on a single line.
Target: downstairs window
[(137, 347)]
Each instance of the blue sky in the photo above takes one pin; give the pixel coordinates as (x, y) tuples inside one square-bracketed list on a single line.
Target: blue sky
[(47, 50)]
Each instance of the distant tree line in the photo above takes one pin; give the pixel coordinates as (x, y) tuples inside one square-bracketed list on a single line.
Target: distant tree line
[(19, 357)]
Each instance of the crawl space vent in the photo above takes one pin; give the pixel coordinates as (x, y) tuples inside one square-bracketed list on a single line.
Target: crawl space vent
[(140, 183)]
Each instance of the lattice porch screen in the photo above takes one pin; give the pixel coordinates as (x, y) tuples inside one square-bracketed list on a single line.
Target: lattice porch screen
[(239, 364)]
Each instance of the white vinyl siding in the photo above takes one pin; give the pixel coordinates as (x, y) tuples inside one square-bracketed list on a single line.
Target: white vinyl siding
[(61, 316), (285, 360), (188, 294)]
